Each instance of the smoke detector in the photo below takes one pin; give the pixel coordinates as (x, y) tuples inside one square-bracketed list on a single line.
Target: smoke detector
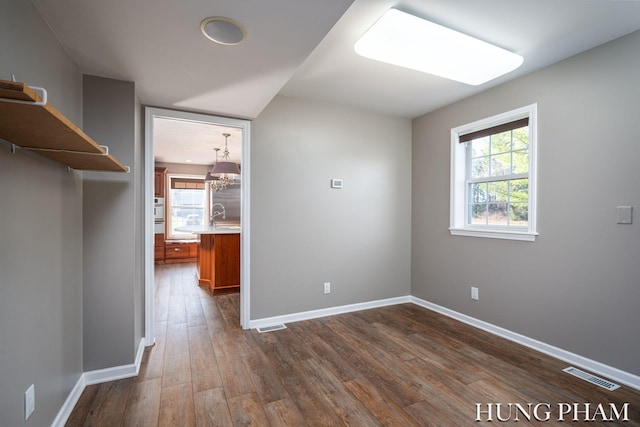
[(223, 30)]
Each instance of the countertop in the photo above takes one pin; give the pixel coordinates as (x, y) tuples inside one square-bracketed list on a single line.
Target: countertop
[(206, 229)]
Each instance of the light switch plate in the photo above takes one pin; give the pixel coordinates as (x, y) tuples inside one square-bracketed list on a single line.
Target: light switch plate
[(336, 183), (625, 214), (29, 401)]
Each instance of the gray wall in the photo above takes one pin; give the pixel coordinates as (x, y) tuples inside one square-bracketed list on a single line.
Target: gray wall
[(577, 286), (303, 233), (113, 231), (40, 235)]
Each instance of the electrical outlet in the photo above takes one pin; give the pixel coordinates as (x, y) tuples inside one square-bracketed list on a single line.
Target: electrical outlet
[(29, 401), (474, 293), (327, 287)]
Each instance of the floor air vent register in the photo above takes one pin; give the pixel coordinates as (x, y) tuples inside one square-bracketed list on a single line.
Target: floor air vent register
[(270, 328), (591, 378)]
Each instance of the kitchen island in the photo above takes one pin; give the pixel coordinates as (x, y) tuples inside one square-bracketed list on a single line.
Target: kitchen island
[(218, 256)]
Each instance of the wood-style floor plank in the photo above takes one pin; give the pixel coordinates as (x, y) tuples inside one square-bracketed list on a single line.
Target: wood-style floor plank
[(312, 402), (266, 382), (176, 406), (283, 413), (205, 374), (177, 363), (247, 410), (177, 309), (399, 365), (383, 408), (144, 403), (351, 410), (324, 352), (194, 313), (235, 377), (109, 403), (212, 409)]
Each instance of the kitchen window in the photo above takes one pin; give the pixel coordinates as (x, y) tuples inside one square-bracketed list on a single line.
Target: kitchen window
[(493, 177), (186, 206)]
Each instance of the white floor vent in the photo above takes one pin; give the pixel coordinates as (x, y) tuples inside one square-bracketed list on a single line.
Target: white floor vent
[(271, 328), (591, 378)]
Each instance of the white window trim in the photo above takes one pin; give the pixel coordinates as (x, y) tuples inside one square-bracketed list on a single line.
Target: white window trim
[(458, 208), (168, 203)]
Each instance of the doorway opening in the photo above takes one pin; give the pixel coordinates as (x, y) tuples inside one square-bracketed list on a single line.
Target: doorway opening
[(187, 141)]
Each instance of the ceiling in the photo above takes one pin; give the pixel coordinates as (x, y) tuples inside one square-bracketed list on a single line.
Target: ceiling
[(304, 48), (193, 142)]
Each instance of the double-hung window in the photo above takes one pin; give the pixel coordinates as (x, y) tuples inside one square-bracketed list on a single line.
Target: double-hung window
[(493, 176), (187, 206)]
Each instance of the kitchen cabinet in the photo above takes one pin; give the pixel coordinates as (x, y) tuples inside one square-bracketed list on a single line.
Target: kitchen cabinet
[(219, 261), (159, 179), (180, 251), (28, 122), (158, 248)]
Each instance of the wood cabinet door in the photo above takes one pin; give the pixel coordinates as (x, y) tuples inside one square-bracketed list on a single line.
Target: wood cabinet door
[(193, 250), (158, 247), (159, 182), (227, 260)]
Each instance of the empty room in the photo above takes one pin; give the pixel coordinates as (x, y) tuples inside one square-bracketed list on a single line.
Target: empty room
[(348, 212)]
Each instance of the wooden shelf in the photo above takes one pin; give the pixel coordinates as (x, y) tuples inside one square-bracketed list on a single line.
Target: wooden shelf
[(44, 130)]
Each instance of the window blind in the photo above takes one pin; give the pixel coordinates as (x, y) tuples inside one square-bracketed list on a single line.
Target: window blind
[(187, 184), (494, 130)]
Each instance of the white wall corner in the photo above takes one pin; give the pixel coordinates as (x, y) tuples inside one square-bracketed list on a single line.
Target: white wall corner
[(116, 372), (96, 377)]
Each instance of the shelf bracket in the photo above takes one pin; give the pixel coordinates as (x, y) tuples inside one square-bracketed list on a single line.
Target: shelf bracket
[(15, 147), (43, 97)]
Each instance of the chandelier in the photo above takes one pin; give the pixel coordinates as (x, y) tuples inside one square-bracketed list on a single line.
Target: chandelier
[(223, 172)]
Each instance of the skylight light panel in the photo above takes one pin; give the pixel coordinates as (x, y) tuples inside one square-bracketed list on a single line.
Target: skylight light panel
[(405, 40)]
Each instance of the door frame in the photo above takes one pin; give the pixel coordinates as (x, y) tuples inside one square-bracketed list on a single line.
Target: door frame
[(149, 164)]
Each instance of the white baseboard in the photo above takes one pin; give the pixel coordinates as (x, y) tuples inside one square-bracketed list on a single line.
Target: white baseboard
[(324, 312), (595, 367), (95, 377), (116, 372), (69, 403)]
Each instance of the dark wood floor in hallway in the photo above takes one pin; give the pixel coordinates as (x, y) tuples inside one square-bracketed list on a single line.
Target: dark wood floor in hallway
[(393, 366)]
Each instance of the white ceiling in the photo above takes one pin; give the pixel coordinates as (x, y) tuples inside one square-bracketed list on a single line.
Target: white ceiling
[(304, 48), (181, 141), (542, 31)]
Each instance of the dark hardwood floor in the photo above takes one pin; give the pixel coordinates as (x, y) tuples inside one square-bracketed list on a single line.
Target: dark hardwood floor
[(394, 366)]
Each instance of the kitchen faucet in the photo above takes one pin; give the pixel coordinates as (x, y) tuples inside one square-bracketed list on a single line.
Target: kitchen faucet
[(214, 213)]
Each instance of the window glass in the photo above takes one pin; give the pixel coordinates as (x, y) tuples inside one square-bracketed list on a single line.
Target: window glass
[(492, 176), (491, 201), (187, 199)]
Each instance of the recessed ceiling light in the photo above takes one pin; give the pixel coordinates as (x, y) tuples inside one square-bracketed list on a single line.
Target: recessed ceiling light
[(405, 40), (223, 30)]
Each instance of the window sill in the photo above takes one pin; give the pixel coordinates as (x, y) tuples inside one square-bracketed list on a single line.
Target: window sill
[(495, 234)]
